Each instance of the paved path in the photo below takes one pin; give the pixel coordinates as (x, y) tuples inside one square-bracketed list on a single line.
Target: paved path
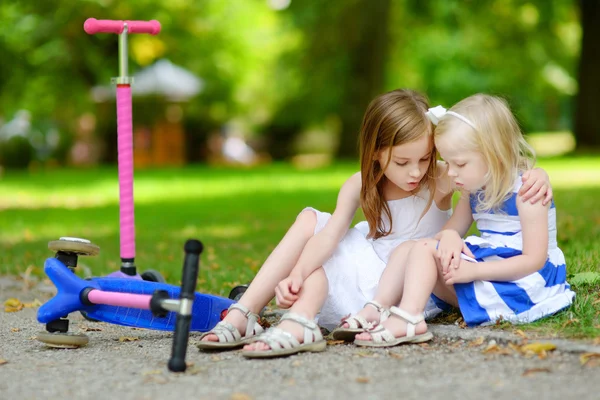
[(453, 366)]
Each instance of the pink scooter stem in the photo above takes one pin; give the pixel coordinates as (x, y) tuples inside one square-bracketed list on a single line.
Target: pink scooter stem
[(93, 26), (124, 130)]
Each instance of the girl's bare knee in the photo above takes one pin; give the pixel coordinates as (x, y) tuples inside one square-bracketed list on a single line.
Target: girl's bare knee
[(306, 221)]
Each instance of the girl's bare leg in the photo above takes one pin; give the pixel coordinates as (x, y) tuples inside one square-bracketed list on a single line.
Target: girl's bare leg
[(312, 297), (391, 283), (420, 280), (278, 266)]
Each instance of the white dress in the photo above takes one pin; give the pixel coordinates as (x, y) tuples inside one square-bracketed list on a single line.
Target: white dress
[(527, 299), (354, 269)]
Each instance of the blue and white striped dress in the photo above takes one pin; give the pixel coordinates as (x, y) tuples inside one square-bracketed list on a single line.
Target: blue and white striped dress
[(527, 299)]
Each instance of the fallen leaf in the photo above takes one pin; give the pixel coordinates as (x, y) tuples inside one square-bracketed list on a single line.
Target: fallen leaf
[(365, 353), (240, 396), (532, 371), (477, 342), (296, 363), (34, 303), (15, 329), (152, 372), (396, 355), (570, 322), (514, 347), (13, 305), (194, 370), (335, 342), (495, 349), (424, 345), (89, 329), (520, 333), (597, 340), (128, 339), (216, 358), (161, 380), (363, 379), (586, 358), (2, 361), (537, 347)]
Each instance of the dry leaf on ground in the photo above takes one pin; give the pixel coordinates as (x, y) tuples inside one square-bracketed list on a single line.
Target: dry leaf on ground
[(13, 305), (2, 361), (335, 342), (240, 396), (89, 329), (34, 303), (495, 349), (477, 342), (396, 355), (520, 333), (532, 371), (153, 372), (15, 329), (590, 359), (539, 348), (296, 363), (363, 379), (128, 339)]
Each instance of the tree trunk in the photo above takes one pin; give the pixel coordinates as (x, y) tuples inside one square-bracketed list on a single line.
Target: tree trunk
[(587, 128), (366, 77)]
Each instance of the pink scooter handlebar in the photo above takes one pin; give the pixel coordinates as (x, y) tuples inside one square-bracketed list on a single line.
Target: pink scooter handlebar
[(93, 26)]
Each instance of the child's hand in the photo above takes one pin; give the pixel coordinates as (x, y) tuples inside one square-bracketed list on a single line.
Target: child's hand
[(465, 272), (536, 185), (449, 249), (286, 292)]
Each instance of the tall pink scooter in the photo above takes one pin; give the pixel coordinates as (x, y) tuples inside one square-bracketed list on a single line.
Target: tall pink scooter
[(125, 140)]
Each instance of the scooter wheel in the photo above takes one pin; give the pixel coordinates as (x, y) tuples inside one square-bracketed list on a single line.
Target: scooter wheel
[(153, 276), (77, 246), (237, 292), (63, 340)]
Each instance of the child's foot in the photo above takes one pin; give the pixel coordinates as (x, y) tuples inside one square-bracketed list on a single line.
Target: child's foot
[(293, 328), (400, 327), (294, 334), (235, 330), (371, 315)]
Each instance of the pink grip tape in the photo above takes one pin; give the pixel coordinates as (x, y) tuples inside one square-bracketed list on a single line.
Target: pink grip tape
[(120, 299), (125, 150), (93, 26)]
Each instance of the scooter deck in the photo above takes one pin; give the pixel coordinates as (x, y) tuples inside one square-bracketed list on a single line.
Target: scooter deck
[(206, 310)]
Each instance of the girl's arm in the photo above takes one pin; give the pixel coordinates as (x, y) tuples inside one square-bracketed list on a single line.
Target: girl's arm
[(536, 185), (534, 225), (320, 247), (461, 219)]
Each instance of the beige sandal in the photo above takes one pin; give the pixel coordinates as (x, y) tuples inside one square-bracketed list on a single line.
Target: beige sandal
[(357, 324), (283, 343), (229, 337), (382, 337)]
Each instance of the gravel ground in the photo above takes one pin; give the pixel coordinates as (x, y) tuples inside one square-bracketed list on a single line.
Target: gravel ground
[(452, 366)]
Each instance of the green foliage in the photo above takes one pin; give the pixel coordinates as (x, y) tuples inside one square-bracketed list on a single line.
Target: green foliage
[(240, 215), (284, 71)]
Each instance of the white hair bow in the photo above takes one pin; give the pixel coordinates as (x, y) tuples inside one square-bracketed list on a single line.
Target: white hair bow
[(435, 114)]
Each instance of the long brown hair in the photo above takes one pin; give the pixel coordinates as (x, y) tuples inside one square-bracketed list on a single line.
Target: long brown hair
[(391, 119)]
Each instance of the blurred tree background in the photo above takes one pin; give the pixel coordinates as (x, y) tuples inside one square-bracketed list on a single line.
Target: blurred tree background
[(292, 76)]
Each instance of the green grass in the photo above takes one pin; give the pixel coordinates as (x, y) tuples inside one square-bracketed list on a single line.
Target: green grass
[(240, 215)]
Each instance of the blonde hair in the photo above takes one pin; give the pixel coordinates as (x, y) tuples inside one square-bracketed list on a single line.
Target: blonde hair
[(391, 119), (499, 140)]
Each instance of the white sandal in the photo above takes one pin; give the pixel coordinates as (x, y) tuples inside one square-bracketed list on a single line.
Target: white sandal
[(283, 343), (229, 337), (357, 324), (382, 337)]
